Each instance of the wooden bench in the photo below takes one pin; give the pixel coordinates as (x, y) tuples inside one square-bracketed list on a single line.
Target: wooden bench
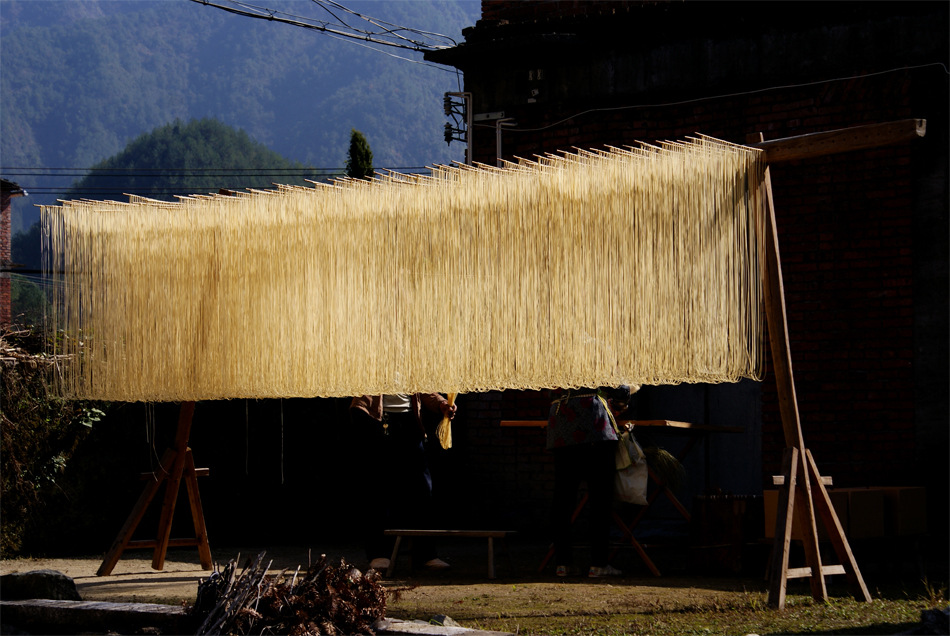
[(491, 535)]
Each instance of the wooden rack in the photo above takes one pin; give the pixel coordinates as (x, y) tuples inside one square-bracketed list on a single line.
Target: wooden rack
[(176, 465), (802, 489)]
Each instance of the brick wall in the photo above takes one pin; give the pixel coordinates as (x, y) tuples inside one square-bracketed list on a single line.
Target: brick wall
[(6, 256), (846, 234), (496, 476)]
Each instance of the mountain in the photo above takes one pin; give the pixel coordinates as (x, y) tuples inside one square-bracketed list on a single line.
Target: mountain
[(81, 79)]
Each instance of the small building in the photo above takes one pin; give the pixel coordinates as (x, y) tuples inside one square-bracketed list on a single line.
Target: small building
[(863, 234), (8, 191)]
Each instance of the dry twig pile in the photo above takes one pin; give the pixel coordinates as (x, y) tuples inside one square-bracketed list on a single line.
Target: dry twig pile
[(332, 597)]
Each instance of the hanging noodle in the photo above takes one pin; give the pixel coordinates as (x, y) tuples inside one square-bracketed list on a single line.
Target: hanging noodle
[(638, 265)]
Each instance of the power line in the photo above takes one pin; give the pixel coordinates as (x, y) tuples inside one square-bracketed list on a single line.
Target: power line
[(375, 21), (400, 57), (377, 37), (712, 97), (144, 189), (182, 171), (357, 36), (157, 175)]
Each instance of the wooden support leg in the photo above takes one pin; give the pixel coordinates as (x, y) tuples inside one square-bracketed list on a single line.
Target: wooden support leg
[(138, 511), (636, 545), (835, 532), (491, 558), (550, 554), (805, 512), (795, 501), (778, 568), (392, 560), (197, 513), (802, 486), (663, 487), (172, 484)]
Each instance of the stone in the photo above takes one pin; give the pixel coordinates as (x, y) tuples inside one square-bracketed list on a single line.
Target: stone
[(936, 621), (444, 621), (47, 584)]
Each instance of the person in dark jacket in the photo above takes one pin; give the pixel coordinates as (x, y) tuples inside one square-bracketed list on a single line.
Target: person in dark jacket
[(396, 485), (583, 437)]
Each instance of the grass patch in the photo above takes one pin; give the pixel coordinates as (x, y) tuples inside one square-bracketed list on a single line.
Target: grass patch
[(614, 610)]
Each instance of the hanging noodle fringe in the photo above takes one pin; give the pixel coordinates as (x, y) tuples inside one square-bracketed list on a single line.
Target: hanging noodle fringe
[(639, 265)]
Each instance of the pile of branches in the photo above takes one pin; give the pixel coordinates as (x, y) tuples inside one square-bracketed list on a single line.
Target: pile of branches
[(332, 597)]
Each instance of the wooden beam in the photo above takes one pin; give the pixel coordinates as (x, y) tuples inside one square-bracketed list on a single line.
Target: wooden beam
[(842, 140), (801, 499), (826, 480)]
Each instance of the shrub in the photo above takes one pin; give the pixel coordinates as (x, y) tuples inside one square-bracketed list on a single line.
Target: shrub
[(39, 434)]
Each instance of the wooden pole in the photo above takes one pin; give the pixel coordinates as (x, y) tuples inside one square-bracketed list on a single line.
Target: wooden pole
[(836, 533), (800, 494), (197, 512)]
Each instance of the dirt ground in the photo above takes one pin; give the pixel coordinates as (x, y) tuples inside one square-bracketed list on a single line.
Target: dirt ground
[(464, 591), (689, 597)]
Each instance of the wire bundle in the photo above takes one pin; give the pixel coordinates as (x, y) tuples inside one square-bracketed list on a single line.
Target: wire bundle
[(639, 265)]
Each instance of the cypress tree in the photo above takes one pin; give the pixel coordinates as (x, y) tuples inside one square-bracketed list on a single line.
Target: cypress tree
[(359, 161)]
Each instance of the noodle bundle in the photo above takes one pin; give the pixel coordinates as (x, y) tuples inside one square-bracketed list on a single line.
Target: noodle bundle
[(638, 265)]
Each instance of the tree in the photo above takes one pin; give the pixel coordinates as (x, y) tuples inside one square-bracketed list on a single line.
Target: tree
[(25, 247), (359, 160), (27, 302)]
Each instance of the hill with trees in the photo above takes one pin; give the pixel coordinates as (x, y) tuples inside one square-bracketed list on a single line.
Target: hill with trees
[(198, 157), (81, 79)]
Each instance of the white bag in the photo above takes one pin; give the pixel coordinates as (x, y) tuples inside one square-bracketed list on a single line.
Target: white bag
[(631, 480)]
